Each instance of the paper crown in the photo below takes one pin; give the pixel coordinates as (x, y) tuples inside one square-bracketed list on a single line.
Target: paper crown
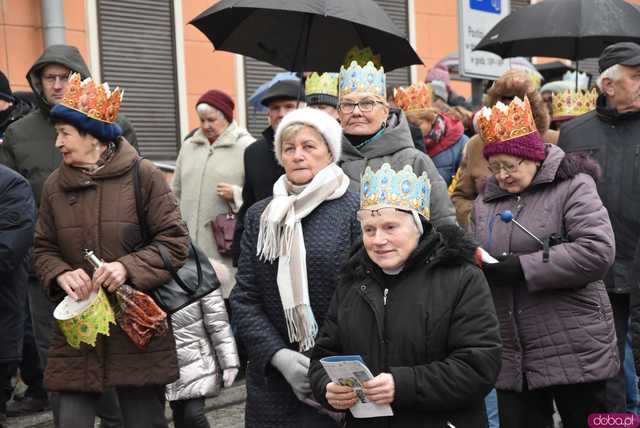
[(325, 83), (93, 100), (362, 79), (415, 98), (362, 57), (568, 104), (583, 78), (510, 130), (402, 189)]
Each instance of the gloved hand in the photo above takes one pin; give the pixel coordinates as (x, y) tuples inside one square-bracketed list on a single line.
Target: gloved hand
[(507, 272), (294, 366), (229, 376)]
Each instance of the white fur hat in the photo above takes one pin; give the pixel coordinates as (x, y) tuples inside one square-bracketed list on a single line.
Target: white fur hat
[(326, 125)]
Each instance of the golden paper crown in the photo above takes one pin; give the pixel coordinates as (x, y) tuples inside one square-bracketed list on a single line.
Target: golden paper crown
[(326, 83), (362, 57), (570, 104), (415, 98), (502, 123), (93, 100)]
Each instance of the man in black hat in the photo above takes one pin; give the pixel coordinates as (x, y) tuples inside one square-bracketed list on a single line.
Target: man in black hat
[(611, 134), (261, 170)]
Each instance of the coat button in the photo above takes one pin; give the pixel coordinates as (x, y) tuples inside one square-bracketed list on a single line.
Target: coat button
[(363, 287)]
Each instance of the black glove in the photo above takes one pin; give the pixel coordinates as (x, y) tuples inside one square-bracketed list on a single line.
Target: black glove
[(507, 272)]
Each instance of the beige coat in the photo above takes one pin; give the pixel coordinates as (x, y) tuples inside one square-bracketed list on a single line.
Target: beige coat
[(199, 168)]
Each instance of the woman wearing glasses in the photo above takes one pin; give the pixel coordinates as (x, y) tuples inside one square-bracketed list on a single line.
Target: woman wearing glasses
[(375, 134), (293, 248), (555, 316), (417, 310)]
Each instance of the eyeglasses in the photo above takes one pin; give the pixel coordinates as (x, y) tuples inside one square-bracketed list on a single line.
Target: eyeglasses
[(495, 168), (363, 213), (51, 79), (365, 106)]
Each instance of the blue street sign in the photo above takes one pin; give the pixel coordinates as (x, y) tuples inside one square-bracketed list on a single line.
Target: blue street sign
[(492, 6)]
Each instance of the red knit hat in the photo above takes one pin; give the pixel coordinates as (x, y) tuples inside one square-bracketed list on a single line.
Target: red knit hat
[(220, 101)]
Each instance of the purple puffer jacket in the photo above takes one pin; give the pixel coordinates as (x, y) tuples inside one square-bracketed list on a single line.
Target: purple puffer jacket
[(557, 328)]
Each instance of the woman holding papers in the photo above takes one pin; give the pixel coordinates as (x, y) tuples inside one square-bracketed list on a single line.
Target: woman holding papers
[(555, 316), (293, 248), (416, 309)]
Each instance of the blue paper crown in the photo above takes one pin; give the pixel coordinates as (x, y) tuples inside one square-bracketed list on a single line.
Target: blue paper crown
[(402, 189), (362, 79)]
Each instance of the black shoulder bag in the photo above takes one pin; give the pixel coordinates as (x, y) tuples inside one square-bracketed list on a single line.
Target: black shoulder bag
[(195, 279)]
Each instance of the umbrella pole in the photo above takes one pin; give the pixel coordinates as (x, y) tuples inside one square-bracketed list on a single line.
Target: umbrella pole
[(298, 65), (577, 71)]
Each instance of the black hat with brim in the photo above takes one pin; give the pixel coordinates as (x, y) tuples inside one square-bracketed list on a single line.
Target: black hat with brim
[(281, 90), (624, 53)]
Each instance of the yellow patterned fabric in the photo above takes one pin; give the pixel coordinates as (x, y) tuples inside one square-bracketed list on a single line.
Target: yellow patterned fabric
[(84, 328)]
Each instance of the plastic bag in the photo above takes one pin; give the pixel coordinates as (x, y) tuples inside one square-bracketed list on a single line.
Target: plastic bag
[(139, 316)]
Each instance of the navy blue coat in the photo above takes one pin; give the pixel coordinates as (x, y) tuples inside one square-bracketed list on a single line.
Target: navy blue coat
[(17, 223), (329, 233)]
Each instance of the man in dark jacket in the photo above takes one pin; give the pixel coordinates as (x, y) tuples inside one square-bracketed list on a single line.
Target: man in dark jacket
[(12, 107), (261, 170), (17, 224), (611, 134), (29, 149)]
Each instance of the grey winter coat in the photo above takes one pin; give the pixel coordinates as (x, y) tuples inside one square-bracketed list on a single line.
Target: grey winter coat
[(29, 143), (205, 346), (395, 147), (557, 328)]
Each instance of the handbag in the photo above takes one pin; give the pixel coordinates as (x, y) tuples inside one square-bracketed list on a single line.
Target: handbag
[(223, 227), (195, 279)]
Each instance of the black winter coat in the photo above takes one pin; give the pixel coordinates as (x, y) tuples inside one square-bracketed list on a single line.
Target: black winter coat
[(613, 139), (437, 333), (329, 233), (261, 171), (17, 224)]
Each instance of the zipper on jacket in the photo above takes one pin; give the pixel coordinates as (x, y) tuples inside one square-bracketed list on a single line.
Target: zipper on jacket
[(384, 297)]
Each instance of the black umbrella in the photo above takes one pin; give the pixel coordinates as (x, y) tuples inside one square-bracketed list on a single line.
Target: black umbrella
[(305, 35), (573, 29)]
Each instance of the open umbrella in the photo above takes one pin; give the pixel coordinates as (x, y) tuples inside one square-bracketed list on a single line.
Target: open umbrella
[(452, 62), (305, 35), (573, 29)]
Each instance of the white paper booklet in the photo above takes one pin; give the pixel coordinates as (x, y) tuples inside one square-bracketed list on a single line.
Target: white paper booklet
[(486, 257), (350, 370)]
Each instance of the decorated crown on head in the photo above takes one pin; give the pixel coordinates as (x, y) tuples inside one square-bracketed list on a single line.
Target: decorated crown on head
[(415, 98), (325, 83), (401, 189), (364, 74), (501, 122), (93, 100), (570, 104)]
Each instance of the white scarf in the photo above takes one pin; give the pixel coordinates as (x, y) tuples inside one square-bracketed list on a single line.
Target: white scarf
[(281, 237)]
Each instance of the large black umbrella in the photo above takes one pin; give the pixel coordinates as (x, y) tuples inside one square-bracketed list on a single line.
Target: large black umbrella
[(305, 35), (573, 29)]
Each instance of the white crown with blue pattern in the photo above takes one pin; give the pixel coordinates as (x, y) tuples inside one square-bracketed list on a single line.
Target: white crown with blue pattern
[(402, 189), (362, 79)]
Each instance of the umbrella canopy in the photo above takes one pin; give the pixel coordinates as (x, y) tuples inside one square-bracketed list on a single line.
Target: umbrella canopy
[(452, 62), (305, 35), (573, 29)]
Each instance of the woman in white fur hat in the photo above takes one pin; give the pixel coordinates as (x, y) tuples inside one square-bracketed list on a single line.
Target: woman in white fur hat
[(292, 249)]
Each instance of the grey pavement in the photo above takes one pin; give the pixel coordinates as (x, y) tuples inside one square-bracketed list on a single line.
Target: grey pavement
[(225, 410)]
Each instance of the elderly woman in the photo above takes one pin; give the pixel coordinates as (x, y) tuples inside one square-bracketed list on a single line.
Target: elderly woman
[(417, 310), (555, 316), (375, 134), (89, 203), (293, 247), (210, 172)]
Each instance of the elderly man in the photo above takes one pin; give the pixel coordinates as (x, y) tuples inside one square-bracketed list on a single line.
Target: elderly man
[(611, 134), (29, 148)]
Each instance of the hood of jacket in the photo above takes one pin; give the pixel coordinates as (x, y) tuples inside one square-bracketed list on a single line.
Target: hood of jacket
[(396, 137), (516, 83), (557, 166), (69, 56), (448, 246)]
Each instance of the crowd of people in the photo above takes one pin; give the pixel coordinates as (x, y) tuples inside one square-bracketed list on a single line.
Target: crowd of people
[(482, 264)]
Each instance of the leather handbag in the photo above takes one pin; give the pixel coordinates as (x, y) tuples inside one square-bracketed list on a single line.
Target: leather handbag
[(195, 279), (223, 227)]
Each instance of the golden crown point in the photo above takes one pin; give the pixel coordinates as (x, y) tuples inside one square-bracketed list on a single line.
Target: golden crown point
[(415, 98), (502, 122), (326, 83), (94, 100), (570, 104), (362, 57)]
